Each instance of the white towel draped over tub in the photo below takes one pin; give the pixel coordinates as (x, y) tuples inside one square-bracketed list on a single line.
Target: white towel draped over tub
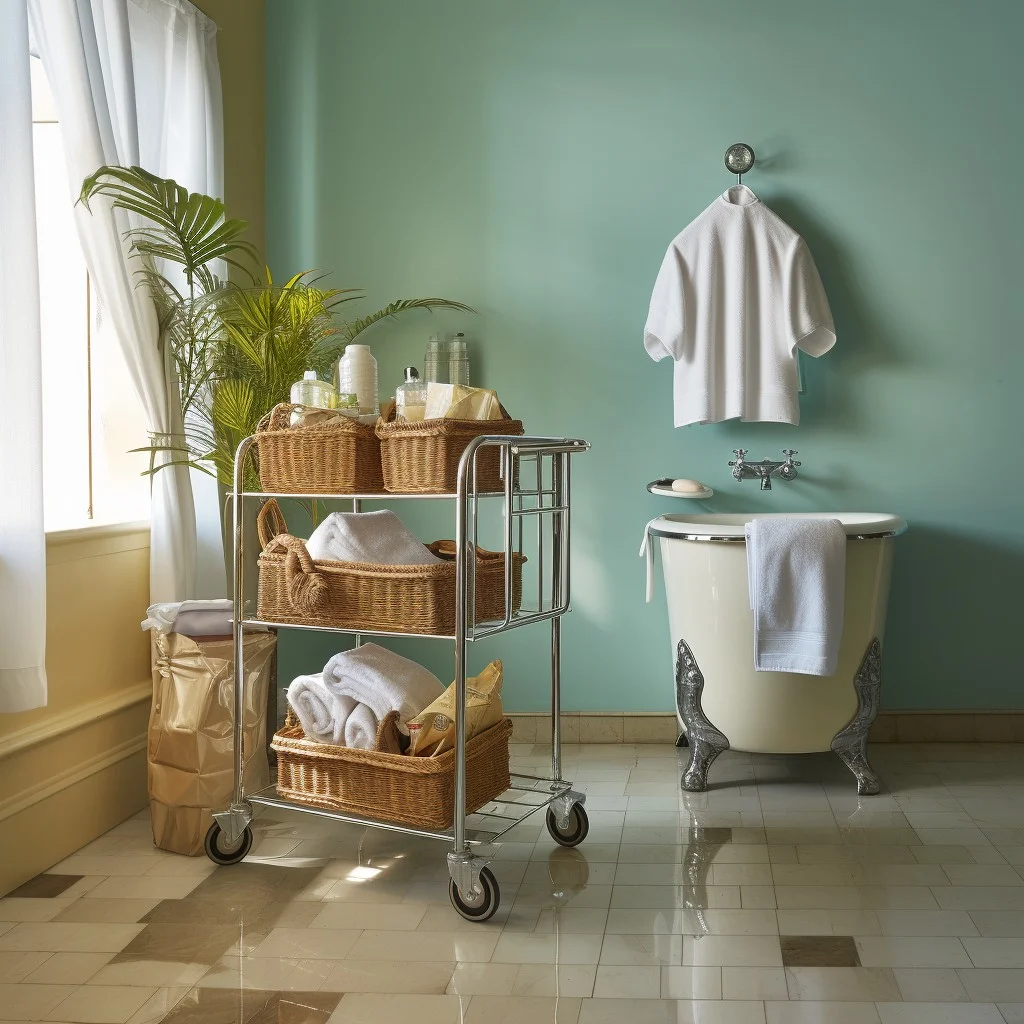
[(796, 571), (346, 703)]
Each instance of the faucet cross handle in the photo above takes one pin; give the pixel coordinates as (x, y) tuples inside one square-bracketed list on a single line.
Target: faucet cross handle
[(789, 453), (740, 453)]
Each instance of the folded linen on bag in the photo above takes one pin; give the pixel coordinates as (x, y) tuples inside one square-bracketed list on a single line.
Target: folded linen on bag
[(796, 573), (346, 703), (377, 537)]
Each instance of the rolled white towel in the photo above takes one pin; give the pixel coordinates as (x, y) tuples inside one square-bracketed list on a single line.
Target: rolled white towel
[(383, 681), (377, 537), (317, 709)]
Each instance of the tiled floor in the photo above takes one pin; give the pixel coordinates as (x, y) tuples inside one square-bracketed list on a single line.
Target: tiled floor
[(779, 897)]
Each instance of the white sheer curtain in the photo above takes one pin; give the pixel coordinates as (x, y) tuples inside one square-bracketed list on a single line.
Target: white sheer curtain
[(136, 82), (22, 541)]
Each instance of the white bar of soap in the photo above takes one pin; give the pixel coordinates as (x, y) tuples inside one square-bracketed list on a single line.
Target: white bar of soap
[(688, 486)]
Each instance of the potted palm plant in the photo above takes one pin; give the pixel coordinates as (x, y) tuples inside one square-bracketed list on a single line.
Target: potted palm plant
[(234, 347)]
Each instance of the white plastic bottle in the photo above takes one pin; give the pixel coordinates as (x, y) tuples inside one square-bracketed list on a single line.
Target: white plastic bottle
[(357, 375)]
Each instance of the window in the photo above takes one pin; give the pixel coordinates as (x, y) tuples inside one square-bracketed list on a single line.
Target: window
[(91, 415)]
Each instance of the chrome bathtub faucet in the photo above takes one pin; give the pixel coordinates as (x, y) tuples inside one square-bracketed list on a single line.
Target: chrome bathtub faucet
[(764, 470)]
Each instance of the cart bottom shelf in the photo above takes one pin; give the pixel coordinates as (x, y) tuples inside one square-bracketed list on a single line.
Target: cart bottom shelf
[(526, 795)]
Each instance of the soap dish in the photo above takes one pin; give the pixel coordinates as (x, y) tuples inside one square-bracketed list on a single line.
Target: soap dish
[(664, 488)]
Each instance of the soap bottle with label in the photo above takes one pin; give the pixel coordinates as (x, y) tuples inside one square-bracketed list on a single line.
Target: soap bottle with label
[(411, 398), (311, 391)]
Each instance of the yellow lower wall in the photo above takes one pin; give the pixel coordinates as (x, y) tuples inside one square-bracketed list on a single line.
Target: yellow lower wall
[(72, 770)]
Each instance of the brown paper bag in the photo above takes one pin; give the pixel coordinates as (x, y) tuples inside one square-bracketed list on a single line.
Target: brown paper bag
[(432, 732), (190, 732)]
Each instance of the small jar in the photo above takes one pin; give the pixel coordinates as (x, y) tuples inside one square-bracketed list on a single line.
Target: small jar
[(313, 392)]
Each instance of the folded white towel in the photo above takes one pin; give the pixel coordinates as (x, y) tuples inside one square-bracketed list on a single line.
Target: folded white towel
[(383, 681), (194, 618), (796, 572), (316, 709), (377, 537)]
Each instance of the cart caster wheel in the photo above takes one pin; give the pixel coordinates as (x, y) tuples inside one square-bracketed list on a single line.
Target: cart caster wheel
[(579, 826), (486, 902), (216, 852)]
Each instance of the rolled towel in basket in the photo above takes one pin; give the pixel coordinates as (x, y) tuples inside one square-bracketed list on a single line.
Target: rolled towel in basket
[(380, 538), (381, 681)]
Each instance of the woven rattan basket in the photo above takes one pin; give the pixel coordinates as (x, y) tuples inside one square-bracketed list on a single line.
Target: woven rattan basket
[(423, 458), (342, 457), (354, 595), (418, 791)]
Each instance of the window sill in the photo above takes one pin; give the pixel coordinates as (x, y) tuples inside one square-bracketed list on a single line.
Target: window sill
[(96, 540)]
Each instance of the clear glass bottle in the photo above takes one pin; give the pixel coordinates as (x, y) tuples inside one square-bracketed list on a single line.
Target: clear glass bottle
[(311, 391), (435, 361), (458, 360), (357, 375), (411, 398)]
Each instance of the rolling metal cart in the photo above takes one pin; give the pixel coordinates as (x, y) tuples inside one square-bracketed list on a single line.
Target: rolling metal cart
[(536, 476)]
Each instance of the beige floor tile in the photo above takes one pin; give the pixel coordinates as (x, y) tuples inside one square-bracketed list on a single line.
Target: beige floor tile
[(732, 951), (89, 911), (739, 874), (522, 1010), (856, 897), (925, 922), (973, 897), (999, 923), (642, 950), (1000, 985), (635, 1011), (145, 887), (644, 922), (918, 951), (115, 864), (389, 976), (365, 1008), (156, 1008), (308, 943), (982, 874), (430, 947), (573, 980), (15, 908), (16, 966), (930, 984), (992, 952), (758, 897), (399, 917), (70, 938), (535, 948), (268, 974), (938, 1013), (101, 1004), (617, 982), (1013, 1013), (640, 897), (31, 1002), (489, 979), (691, 983), (572, 920), (69, 969), (724, 1012), (841, 984), (593, 896), (150, 973), (754, 983), (729, 922), (806, 1012)]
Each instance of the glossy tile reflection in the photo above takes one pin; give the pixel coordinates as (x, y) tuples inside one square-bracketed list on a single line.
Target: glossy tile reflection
[(777, 897)]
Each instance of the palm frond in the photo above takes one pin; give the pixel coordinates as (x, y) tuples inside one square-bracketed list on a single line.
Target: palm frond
[(353, 329)]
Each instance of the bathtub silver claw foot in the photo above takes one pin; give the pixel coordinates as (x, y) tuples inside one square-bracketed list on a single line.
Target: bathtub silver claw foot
[(706, 742), (851, 743)]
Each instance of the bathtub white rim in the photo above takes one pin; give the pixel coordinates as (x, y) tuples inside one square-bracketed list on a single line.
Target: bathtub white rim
[(698, 534)]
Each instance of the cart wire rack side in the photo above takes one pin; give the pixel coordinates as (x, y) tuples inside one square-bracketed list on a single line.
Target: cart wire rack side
[(532, 513)]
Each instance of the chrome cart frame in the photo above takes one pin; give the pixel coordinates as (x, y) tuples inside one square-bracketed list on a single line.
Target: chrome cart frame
[(473, 889)]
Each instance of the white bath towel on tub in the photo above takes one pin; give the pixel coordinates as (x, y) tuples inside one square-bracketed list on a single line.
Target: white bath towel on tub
[(796, 571)]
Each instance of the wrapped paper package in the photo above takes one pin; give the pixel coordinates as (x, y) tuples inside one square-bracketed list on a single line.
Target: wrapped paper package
[(190, 725), (459, 402), (432, 732)]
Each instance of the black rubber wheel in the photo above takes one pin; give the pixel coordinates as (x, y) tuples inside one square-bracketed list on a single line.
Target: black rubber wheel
[(218, 854), (579, 826), (486, 902)]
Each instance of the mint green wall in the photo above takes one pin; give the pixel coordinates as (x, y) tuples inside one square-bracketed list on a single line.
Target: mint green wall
[(535, 158)]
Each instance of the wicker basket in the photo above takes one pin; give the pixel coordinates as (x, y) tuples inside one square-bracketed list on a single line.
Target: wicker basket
[(423, 458), (342, 457), (418, 791), (354, 595)]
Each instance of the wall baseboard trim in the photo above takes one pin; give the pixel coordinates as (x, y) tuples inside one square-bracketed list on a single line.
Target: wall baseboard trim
[(75, 718), (661, 727), (71, 776)]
